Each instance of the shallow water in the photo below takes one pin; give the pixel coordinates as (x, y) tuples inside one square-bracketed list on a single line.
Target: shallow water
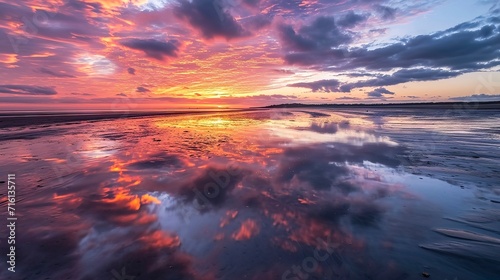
[(275, 194)]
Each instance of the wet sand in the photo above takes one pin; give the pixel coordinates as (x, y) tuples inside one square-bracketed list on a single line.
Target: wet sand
[(266, 194), (16, 119)]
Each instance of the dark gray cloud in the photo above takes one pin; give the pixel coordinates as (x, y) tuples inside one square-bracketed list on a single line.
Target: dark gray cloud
[(84, 6), (10, 12), (252, 3), (68, 27), (402, 76), (359, 74), (27, 90), (379, 92), (210, 18), (321, 35), (257, 22), (54, 73), (154, 48), (131, 71), (352, 19), (477, 97), (142, 89), (387, 13), (378, 31), (467, 47), (322, 85)]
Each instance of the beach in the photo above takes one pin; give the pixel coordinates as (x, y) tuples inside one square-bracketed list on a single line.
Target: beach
[(280, 193)]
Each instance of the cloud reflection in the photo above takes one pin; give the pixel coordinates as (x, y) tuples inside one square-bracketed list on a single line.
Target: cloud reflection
[(241, 204)]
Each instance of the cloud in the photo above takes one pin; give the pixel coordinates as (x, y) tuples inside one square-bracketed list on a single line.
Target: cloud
[(321, 35), (47, 39), (94, 64), (71, 41), (346, 98), (142, 89), (55, 74), (154, 48), (27, 90), (251, 3), (378, 31), (467, 47), (82, 94), (257, 22), (387, 13), (66, 26), (321, 85), (210, 18), (457, 49), (379, 92), (477, 97), (84, 6), (352, 19), (284, 71), (402, 76), (311, 44), (121, 94), (359, 74)]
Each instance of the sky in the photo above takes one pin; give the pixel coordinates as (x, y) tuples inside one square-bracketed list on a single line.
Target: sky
[(157, 54)]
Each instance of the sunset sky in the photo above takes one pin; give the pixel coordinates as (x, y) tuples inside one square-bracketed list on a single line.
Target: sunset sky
[(155, 54)]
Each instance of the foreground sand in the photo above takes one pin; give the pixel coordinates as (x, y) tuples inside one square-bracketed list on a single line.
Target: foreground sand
[(329, 193)]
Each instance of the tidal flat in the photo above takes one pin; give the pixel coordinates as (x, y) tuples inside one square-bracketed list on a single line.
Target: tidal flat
[(297, 193)]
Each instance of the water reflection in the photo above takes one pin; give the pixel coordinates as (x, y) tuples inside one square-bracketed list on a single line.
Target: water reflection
[(250, 195)]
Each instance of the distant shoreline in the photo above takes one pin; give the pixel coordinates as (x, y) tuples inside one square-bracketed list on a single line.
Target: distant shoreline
[(22, 119), (420, 105)]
